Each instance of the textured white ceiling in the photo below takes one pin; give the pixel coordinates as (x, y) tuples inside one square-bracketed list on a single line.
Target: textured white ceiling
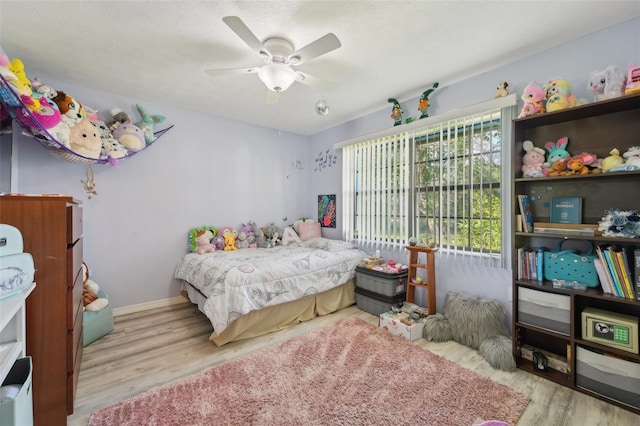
[(158, 50)]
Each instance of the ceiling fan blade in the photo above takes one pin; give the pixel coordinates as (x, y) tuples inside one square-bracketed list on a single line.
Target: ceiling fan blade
[(272, 97), (314, 49), (239, 27), (232, 71), (316, 83)]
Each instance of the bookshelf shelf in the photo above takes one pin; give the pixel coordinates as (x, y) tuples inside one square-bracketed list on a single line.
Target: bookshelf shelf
[(586, 126)]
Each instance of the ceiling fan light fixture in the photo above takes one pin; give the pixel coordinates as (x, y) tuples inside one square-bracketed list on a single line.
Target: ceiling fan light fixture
[(277, 77)]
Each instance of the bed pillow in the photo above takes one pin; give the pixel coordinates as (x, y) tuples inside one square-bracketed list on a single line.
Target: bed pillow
[(194, 232), (308, 230), (296, 224), (289, 236)]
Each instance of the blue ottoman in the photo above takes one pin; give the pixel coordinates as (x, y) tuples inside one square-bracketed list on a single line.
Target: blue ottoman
[(97, 324)]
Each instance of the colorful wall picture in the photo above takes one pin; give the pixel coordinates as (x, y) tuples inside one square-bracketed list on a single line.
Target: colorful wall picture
[(327, 211)]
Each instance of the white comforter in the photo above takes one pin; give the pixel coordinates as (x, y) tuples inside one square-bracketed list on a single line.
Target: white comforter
[(237, 282)]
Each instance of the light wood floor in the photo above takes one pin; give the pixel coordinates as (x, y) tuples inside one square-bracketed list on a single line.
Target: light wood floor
[(154, 347)]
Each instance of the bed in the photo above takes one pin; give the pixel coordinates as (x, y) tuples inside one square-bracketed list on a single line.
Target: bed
[(250, 292)]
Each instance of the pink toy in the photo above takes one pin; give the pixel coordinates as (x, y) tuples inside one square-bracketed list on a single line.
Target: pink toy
[(41, 112), (533, 97), (203, 243), (633, 80), (532, 160)]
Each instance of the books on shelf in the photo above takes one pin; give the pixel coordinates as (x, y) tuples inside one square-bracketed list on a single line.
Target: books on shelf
[(636, 263), (529, 264), (586, 229), (566, 210), (525, 211), (615, 271)]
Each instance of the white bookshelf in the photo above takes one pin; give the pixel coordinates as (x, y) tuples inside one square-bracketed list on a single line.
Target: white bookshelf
[(13, 329)]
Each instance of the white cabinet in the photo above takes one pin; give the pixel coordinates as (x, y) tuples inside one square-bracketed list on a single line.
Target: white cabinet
[(13, 336)]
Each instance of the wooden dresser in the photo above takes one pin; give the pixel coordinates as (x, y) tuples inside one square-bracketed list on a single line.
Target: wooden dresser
[(51, 227)]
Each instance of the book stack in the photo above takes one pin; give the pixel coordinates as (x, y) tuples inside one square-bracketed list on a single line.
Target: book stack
[(530, 264), (586, 229), (619, 270)]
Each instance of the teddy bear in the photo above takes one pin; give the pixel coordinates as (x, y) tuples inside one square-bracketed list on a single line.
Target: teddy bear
[(85, 140), (261, 241), (575, 166), (147, 123), (608, 83), (229, 236), (203, 242), (273, 233), (557, 168), (533, 97), (532, 161), (502, 89), (90, 299)]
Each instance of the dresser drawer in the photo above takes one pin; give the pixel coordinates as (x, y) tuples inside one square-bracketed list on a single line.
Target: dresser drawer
[(74, 223), (74, 374), (74, 339), (74, 262)]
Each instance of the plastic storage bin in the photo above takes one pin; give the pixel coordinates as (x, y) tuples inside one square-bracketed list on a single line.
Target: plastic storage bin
[(611, 377), (380, 282), (545, 310), (18, 410), (375, 303)]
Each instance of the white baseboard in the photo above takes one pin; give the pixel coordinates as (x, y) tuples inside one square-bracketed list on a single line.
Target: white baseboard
[(149, 305)]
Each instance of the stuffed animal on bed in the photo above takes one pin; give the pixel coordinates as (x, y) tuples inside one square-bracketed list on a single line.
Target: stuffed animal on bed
[(229, 236), (273, 233), (203, 242), (261, 241)]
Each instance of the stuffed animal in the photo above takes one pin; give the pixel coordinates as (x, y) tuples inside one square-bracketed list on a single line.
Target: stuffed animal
[(503, 89), (533, 97), (70, 110), (562, 87), (246, 236), (242, 240), (261, 241), (558, 102), (218, 242), (119, 117), (48, 118), (558, 168), (557, 150), (43, 90), (147, 123), (85, 140), (17, 68), (633, 80), (575, 166), (608, 83), (229, 236), (532, 161), (632, 156), (273, 233), (613, 161), (130, 136), (203, 242), (90, 290), (111, 148)]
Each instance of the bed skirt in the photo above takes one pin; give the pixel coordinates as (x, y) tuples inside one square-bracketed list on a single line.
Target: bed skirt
[(273, 318)]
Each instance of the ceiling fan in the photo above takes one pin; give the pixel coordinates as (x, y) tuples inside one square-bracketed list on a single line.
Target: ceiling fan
[(278, 55)]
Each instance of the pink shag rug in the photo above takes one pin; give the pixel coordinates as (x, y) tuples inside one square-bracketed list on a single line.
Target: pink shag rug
[(347, 373)]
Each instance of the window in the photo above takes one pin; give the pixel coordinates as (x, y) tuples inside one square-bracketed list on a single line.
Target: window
[(441, 182)]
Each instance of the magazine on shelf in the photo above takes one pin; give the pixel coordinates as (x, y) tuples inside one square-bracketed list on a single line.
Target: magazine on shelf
[(566, 210), (525, 211)]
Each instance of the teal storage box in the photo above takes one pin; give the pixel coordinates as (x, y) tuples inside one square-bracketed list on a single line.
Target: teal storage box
[(96, 324), (16, 409)]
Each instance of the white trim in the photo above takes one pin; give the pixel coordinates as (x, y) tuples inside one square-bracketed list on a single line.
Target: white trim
[(507, 101), (131, 309)]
